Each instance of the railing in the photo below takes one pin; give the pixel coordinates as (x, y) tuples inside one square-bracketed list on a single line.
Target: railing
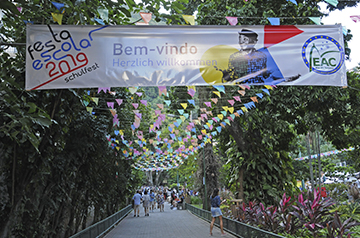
[(103, 226), (234, 227)]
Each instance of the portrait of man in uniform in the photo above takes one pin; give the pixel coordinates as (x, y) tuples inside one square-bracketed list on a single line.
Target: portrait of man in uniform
[(252, 66)]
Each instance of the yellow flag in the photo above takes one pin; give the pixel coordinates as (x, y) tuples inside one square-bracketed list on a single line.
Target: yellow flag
[(221, 116), (226, 108), (208, 124), (231, 109), (244, 109), (268, 87), (203, 131), (217, 93), (96, 100), (182, 118), (184, 105), (117, 142), (118, 148), (189, 19), (89, 109), (121, 132), (57, 17)]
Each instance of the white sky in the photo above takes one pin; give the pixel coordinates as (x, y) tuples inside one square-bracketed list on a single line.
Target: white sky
[(343, 17)]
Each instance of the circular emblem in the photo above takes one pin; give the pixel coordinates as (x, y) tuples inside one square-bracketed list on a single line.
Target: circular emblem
[(323, 54)]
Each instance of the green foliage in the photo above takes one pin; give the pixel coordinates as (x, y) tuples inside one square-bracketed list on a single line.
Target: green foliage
[(196, 200)]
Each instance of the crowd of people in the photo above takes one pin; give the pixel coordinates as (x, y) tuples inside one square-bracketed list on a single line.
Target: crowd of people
[(155, 197)]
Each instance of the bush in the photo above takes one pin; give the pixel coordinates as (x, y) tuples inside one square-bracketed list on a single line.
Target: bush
[(196, 200), (337, 191)]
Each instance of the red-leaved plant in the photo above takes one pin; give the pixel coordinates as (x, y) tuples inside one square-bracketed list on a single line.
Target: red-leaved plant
[(312, 212)]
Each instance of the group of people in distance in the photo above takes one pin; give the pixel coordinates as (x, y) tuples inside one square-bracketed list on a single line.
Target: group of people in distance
[(149, 198), (150, 201)]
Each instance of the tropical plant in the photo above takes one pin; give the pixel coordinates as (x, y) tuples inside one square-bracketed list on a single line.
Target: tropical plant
[(339, 229)]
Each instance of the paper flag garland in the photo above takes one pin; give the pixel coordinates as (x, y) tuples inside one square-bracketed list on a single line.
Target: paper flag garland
[(96, 100), (57, 17), (191, 102), (332, 2), (208, 104), (58, 5), (184, 105), (189, 19), (110, 104), (191, 92), (162, 90), (355, 18), (161, 106), (274, 21), (146, 16), (293, 1), (144, 102), (104, 14), (133, 90), (232, 102), (316, 20), (232, 20), (100, 21), (215, 100), (135, 105), (217, 93)]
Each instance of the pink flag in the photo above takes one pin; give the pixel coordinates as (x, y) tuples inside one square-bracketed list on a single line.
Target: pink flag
[(237, 98), (355, 18), (208, 104), (119, 101), (162, 89), (103, 89), (135, 105), (231, 102), (139, 94), (157, 112), (232, 20), (110, 104), (191, 92), (200, 137), (144, 102)]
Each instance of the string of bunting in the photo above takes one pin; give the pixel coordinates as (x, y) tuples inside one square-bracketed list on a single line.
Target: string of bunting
[(150, 160)]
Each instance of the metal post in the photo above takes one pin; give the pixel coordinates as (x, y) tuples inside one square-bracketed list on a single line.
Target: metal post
[(319, 160), (204, 180), (310, 163)]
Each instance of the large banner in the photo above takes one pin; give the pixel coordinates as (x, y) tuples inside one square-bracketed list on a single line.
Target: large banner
[(71, 56)]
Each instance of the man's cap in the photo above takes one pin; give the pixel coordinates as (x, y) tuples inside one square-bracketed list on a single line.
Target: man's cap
[(248, 33)]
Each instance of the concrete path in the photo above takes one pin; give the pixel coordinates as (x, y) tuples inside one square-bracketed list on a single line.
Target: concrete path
[(168, 224)]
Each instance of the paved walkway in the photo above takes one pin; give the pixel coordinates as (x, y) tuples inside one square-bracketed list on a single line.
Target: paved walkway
[(168, 224)]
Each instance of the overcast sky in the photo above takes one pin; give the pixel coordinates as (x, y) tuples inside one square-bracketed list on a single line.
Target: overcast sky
[(343, 17)]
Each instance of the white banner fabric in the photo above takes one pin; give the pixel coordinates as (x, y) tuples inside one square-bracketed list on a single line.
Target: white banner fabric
[(70, 56)]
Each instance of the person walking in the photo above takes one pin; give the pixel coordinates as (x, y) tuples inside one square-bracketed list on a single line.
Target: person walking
[(146, 202), (152, 200), (137, 200), (216, 211)]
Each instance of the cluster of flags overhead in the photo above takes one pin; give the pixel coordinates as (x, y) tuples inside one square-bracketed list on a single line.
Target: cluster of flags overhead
[(184, 136), (333, 152)]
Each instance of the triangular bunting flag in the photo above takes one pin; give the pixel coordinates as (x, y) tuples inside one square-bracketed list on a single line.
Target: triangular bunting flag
[(274, 21), (104, 14), (58, 5), (144, 102), (189, 19), (146, 16), (96, 100), (167, 102), (217, 93), (184, 105), (57, 17), (232, 20), (316, 20), (119, 101), (215, 100)]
